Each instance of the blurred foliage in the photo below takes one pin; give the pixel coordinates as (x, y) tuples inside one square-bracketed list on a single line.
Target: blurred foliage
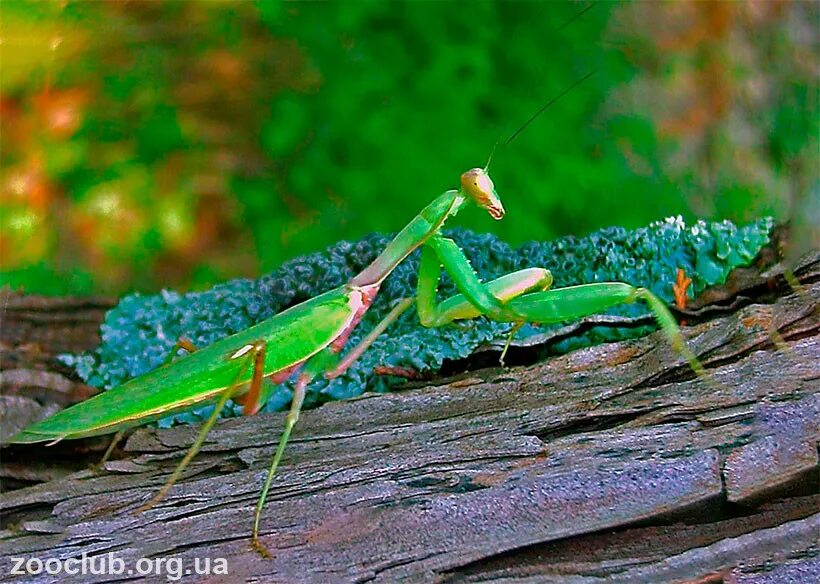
[(177, 144)]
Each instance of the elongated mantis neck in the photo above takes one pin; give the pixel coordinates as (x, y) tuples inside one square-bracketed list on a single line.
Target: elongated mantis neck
[(420, 229)]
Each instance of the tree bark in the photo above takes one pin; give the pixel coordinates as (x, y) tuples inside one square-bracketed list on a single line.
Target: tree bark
[(613, 463)]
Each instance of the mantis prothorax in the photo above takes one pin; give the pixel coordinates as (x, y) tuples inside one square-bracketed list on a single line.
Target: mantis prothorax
[(306, 340)]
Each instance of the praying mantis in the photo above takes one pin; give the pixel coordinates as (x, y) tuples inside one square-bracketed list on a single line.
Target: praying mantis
[(306, 341)]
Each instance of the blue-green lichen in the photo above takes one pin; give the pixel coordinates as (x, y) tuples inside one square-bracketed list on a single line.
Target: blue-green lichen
[(139, 332)]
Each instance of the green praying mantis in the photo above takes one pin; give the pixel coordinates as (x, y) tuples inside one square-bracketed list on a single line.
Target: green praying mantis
[(306, 340)]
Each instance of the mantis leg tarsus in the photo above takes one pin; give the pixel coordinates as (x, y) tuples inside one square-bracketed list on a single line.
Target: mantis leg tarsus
[(57, 440), (778, 341), (260, 548), (258, 347), (799, 289), (794, 283)]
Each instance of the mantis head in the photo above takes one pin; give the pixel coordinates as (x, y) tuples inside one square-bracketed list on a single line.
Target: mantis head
[(477, 184)]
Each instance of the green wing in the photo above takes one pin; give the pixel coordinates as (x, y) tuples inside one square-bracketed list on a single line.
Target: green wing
[(292, 337)]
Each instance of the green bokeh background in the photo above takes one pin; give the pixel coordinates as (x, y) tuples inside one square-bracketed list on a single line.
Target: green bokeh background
[(178, 144)]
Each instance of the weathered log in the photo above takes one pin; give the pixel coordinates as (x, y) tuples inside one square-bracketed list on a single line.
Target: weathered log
[(611, 463)]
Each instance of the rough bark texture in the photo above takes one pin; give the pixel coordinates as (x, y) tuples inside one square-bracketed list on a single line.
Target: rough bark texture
[(613, 463)]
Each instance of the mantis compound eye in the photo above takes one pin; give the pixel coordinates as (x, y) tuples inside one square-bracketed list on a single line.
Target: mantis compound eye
[(478, 185)]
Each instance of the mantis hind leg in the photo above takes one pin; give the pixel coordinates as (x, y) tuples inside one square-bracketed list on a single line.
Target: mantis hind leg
[(254, 355)]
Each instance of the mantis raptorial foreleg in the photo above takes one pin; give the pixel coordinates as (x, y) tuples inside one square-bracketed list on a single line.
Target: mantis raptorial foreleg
[(438, 253), (475, 298)]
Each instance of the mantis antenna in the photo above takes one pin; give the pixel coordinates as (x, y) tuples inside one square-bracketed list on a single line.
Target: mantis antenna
[(538, 113), (548, 104), (553, 100), (490, 159), (577, 16)]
